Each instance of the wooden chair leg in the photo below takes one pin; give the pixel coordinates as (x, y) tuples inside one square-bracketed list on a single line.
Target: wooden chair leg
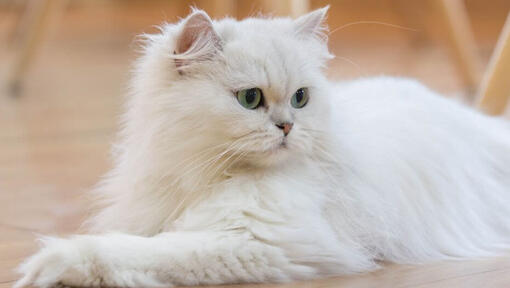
[(495, 88), (35, 26), (460, 39), (293, 8), (17, 23)]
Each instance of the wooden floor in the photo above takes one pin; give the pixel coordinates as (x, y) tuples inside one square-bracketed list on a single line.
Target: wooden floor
[(54, 142)]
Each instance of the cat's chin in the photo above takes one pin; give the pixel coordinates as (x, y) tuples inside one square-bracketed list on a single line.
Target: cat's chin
[(276, 155)]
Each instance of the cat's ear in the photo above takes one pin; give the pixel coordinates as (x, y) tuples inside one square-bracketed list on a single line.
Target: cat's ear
[(197, 40), (313, 23)]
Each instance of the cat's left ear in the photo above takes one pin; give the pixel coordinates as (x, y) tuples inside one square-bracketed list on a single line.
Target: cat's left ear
[(196, 41), (313, 23)]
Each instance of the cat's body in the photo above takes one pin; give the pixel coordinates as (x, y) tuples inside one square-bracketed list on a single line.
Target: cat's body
[(375, 169)]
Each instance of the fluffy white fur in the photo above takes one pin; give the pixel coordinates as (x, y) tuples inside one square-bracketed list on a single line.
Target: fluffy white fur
[(203, 192)]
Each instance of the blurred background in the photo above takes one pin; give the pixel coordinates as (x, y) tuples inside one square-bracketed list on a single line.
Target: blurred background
[(64, 66)]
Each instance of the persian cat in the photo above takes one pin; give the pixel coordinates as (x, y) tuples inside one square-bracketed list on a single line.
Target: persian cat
[(238, 161)]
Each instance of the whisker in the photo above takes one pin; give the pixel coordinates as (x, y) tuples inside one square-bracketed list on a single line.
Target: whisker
[(218, 162), (372, 22), (194, 158), (241, 156), (224, 161), (356, 65), (212, 159), (200, 153), (239, 149)]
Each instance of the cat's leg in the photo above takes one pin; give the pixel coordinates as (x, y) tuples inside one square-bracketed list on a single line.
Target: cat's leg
[(176, 258)]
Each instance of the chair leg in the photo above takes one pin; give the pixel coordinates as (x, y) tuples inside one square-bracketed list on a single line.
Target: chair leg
[(17, 21), (495, 88), (460, 39), (38, 12)]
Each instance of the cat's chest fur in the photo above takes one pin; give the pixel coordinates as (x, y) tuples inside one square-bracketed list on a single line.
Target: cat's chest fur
[(285, 195)]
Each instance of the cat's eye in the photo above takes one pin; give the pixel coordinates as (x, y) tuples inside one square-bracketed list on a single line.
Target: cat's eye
[(300, 98), (250, 98)]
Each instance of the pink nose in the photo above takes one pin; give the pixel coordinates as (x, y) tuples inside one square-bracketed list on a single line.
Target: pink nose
[(286, 127)]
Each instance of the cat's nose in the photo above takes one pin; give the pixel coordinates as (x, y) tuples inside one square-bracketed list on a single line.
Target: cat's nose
[(286, 127)]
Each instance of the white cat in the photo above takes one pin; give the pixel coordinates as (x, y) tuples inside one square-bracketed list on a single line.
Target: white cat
[(239, 162)]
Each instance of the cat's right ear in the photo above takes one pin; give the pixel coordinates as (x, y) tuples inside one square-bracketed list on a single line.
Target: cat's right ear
[(197, 40), (313, 23)]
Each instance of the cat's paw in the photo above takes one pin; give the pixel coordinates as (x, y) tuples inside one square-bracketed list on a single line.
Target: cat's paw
[(59, 263)]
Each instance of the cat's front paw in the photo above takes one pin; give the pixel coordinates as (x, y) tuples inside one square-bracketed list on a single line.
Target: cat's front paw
[(59, 262)]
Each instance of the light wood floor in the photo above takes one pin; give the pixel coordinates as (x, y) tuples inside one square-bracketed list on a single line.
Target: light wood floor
[(54, 143)]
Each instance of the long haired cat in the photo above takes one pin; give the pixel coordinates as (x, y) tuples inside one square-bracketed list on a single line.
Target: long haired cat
[(239, 162)]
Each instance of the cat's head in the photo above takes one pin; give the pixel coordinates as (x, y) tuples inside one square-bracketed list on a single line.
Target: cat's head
[(251, 90)]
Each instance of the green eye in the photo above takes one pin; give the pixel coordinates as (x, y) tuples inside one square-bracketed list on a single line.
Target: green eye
[(250, 98), (300, 98)]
